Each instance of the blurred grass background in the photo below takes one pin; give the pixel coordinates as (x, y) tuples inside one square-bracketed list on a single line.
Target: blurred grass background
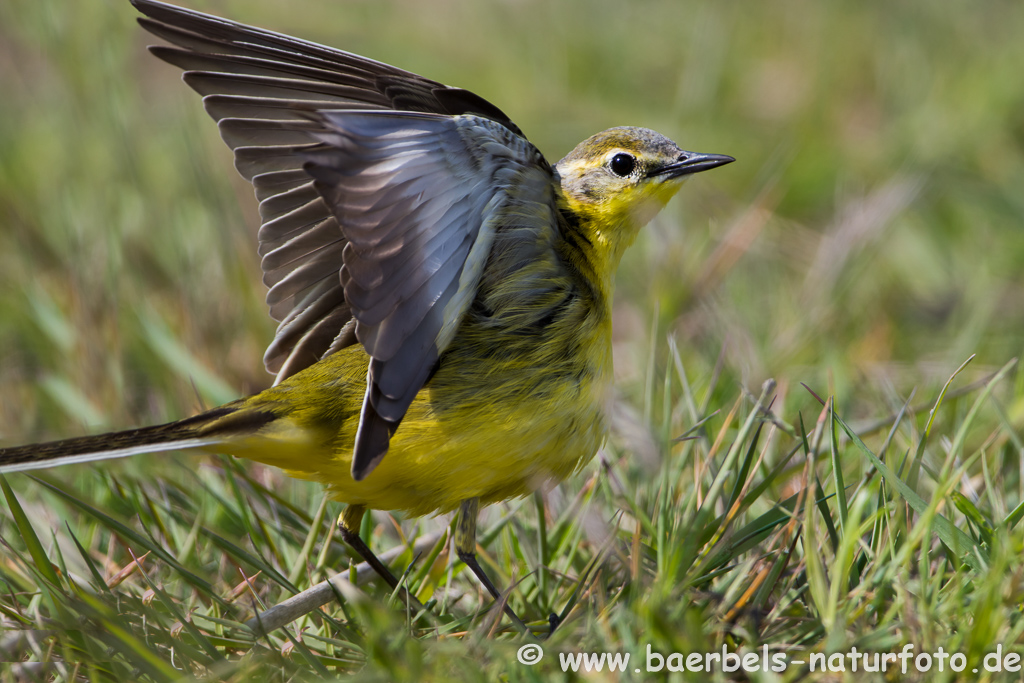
[(867, 241), (871, 229)]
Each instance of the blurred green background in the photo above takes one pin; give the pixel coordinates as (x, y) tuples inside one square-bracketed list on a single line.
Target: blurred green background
[(868, 238), (867, 241)]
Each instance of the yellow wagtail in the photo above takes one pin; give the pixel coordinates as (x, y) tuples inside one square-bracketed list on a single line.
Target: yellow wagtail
[(443, 292)]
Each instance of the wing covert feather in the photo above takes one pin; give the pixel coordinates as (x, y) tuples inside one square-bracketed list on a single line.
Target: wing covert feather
[(420, 198)]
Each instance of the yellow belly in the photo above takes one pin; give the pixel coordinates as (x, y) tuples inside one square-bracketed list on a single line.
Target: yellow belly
[(499, 440), (433, 465)]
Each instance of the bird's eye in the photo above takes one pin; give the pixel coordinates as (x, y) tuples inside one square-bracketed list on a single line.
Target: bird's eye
[(622, 164)]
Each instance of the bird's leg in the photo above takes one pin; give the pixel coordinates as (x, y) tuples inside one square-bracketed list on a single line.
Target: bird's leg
[(348, 524), (465, 546)]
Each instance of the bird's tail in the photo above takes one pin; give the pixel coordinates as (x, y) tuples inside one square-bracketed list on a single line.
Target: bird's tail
[(204, 430)]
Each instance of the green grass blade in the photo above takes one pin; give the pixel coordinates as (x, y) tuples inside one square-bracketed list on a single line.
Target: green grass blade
[(962, 545)]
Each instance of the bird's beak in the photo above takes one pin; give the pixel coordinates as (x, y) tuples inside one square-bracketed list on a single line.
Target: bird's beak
[(692, 162)]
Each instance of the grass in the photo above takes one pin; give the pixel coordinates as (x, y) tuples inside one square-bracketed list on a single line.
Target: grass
[(866, 243)]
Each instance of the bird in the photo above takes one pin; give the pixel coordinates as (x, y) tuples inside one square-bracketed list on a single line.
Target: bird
[(443, 293)]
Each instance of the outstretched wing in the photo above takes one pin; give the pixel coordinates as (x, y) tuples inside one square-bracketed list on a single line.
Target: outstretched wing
[(380, 193), (257, 85)]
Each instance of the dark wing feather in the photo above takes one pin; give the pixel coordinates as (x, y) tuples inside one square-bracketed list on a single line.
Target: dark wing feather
[(259, 86), (420, 198)]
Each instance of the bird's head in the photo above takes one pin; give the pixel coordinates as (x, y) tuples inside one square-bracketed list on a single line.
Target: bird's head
[(618, 180)]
